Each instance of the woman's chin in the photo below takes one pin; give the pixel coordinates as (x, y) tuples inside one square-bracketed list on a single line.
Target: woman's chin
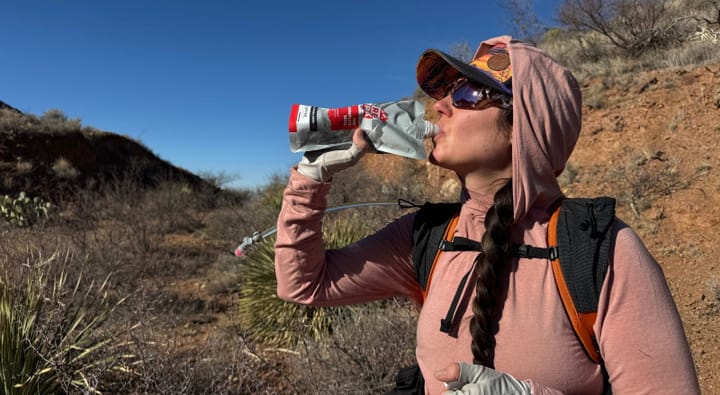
[(439, 162)]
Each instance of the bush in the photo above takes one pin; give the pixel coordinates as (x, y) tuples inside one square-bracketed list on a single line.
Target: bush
[(269, 319), (55, 121), (623, 36), (220, 364), (50, 330), (51, 122), (633, 26), (64, 169), (22, 210), (362, 355), (350, 349)]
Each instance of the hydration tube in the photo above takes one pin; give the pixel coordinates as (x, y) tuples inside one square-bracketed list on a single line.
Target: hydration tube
[(257, 236)]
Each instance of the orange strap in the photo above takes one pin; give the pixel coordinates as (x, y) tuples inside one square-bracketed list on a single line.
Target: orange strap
[(582, 323), (447, 236)]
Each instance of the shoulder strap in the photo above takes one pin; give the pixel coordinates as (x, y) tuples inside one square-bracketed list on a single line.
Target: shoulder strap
[(433, 223), (579, 229), (579, 243)]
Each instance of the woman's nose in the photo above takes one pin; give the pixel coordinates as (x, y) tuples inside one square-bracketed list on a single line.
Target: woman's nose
[(444, 106)]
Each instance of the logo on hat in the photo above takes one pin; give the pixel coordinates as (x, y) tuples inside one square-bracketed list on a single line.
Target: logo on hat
[(496, 63)]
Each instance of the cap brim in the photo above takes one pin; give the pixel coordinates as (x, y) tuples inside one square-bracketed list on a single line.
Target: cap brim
[(436, 70)]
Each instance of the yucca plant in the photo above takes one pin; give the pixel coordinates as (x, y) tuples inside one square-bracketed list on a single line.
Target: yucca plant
[(49, 332), (271, 320)]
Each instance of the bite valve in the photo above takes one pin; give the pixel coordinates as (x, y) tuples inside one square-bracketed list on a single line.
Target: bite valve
[(247, 242)]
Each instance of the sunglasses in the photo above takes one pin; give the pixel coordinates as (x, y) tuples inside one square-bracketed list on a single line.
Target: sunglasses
[(469, 96)]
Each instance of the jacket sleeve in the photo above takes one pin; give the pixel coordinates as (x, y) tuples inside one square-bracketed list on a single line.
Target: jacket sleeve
[(638, 327), (376, 267)]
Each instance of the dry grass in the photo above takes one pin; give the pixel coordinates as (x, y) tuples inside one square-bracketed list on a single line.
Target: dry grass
[(64, 169), (137, 238), (51, 122), (363, 353)]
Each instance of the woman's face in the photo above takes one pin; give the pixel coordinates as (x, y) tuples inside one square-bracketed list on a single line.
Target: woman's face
[(471, 144)]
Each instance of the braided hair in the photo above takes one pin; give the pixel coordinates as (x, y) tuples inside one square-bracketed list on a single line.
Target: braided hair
[(490, 265)]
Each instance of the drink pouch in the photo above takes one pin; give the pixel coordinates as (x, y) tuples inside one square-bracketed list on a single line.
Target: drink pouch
[(394, 127)]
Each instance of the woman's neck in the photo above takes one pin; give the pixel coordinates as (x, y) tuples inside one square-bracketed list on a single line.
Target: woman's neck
[(484, 185)]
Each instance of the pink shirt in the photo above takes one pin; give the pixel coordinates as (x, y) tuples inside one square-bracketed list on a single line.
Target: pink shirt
[(638, 327)]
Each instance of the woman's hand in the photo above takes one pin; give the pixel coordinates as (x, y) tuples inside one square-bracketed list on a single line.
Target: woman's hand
[(321, 165), (466, 379)]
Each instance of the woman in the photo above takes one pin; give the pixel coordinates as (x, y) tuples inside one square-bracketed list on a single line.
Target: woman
[(509, 121)]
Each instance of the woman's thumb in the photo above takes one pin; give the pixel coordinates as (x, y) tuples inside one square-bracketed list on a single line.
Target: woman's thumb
[(450, 373)]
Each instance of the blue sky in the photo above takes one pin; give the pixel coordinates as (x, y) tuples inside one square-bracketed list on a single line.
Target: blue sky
[(208, 86)]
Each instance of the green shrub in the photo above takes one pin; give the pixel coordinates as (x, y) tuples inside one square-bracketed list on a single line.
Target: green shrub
[(269, 319), (22, 210)]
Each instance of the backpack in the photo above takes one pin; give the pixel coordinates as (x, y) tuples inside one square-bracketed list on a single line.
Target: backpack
[(579, 240)]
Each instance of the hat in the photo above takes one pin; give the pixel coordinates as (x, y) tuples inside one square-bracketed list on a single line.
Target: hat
[(491, 68)]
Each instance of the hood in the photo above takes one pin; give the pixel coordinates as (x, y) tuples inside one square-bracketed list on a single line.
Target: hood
[(547, 108)]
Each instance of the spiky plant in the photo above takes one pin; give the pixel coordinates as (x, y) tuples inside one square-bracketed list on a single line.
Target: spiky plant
[(269, 319), (49, 332)]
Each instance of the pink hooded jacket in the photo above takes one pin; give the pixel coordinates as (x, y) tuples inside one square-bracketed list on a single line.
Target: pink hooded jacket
[(638, 328)]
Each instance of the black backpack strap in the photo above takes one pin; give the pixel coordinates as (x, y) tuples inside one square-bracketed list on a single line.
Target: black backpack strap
[(432, 234), (584, 241), (580, 241), (526, 251), (429, 227)]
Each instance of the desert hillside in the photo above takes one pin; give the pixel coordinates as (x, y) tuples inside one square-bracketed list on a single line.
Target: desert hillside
[(51, 155)]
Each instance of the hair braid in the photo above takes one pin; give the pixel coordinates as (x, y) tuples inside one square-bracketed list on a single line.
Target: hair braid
[(490, 265)]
